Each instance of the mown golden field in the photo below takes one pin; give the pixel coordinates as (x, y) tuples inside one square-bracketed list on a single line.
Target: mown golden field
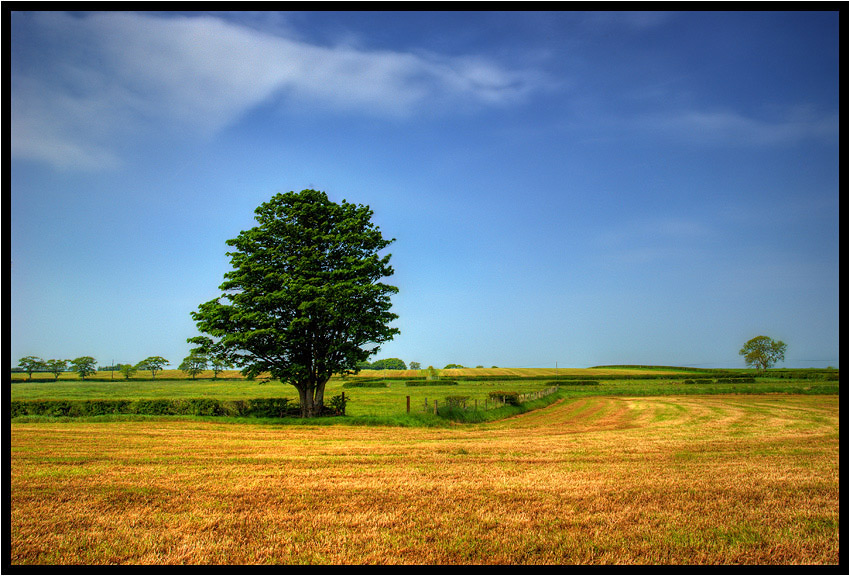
[(679, 479)]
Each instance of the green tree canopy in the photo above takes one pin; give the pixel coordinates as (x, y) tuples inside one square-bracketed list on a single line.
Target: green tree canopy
[(152, 363), (304, 299), (763, 352), (56, 367), (31, 364), (194, 364), (388, 364), (84, 366), (127, 370)]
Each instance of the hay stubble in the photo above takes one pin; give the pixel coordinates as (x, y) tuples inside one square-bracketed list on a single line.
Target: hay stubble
[(708, 479)]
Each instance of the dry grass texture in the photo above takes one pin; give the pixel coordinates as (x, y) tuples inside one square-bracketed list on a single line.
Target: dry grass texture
[(711, 479)]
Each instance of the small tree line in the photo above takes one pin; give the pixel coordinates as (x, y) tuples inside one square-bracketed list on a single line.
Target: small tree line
[(86, 366)]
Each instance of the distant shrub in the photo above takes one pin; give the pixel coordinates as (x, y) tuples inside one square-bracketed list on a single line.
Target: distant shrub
[(336, 405), (365, 384), (737, 380), (456, 401), (573, 383), (699, 381), (430, 383), (508, 397)]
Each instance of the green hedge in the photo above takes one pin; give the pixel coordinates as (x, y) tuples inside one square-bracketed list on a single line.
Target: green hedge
[(430, 383), (365, 384), (256, 407), (455, 401), (573, 383), (806, 374)]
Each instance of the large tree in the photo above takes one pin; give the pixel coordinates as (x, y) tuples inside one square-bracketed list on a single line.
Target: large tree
[(763, 352), (304, 299)]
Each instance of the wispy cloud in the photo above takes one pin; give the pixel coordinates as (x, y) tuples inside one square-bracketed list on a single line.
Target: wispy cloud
[(732, 128), (105, 75)]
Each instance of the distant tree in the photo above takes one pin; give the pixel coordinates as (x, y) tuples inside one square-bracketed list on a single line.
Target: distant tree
[(304, 300), (31, 364), (364, 365), (479, 366), (389, 364), (219, 365), (194, 364), (415, 366), (84, 366), (450, 366), (56, 367), (128, 370), (763, 352), (152, 363)]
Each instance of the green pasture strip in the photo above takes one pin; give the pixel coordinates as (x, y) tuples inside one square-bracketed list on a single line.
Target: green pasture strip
[(388, 405), (124, 390), (662, 368)]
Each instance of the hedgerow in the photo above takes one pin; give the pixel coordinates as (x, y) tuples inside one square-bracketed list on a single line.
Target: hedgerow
[(430, 383), (256, 407)]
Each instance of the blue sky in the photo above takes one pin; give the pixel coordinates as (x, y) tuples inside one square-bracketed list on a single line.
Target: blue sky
[(579, 188)]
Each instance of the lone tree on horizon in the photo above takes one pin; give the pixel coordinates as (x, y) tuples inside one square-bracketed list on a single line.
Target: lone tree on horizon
[(763, 352), (304, 299)]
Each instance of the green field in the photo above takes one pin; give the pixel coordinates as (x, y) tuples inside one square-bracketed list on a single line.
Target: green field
[(391, 401)]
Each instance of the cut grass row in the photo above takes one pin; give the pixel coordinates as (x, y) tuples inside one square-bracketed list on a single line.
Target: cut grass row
[(715, 479)]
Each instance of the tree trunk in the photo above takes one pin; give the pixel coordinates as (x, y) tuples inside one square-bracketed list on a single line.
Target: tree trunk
[(312, 398), (319, 400), (302, 398)]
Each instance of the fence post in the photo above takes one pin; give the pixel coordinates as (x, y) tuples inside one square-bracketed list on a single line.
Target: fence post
[(408, 404), (435, 406), (476, 404), (343, 403)]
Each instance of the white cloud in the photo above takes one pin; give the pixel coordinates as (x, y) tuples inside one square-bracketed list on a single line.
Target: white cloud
[(106, 76), (731, 128)]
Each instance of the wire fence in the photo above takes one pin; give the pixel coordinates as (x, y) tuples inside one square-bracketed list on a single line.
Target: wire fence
[(491, 402)]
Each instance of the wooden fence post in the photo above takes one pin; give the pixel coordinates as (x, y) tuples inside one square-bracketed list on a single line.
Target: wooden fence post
[(435, 406), (343, 403)]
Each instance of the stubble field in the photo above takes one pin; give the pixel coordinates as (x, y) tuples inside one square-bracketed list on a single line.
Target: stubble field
[(678, 479)]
